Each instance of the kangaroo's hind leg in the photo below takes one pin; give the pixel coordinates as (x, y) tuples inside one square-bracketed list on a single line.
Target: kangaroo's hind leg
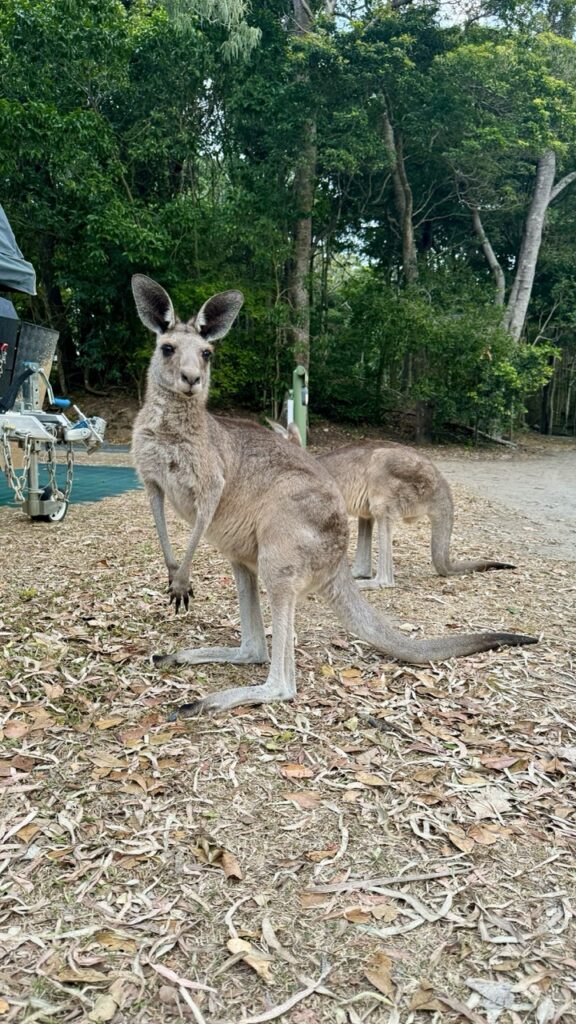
[(280, 684), (253, 648), (363, 561), (385, 572)]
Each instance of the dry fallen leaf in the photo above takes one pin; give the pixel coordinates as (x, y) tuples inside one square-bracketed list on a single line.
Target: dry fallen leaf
[(209, 852), (492, 802), (296, 771), (257, 961), (231, 866), (460, 840), (425, 774), (357, 915), (307, 799), (368, 779), (4, 1006), (115, 940), (104, 1008), (378, 974), (424, 998), (81, 976), (15, 730), (484, 835), (310, 900), (317, 855)]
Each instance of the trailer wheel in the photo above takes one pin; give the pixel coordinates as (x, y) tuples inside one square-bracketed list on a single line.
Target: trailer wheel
[(52, 517)]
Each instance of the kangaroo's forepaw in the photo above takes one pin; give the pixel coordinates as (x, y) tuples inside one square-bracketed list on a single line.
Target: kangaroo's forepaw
[(179, 594), (192, 710)]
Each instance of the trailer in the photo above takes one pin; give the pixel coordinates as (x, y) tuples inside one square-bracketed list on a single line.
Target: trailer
[(29, 435)]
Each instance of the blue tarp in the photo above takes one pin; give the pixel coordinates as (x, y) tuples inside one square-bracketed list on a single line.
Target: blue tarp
[(91, 483)]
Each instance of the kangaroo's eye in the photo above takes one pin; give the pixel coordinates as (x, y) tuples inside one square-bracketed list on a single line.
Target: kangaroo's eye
[(207, 354), (167, 350)]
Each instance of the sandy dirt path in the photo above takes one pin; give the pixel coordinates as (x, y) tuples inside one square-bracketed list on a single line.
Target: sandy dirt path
[(539, 490)]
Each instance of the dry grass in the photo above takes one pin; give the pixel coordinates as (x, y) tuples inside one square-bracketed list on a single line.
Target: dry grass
[(406, 833)]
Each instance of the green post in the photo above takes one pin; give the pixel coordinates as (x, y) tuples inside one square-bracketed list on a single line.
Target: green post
[(300, 386)]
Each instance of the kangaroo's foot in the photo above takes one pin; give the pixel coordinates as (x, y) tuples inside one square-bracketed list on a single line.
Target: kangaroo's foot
[(266, 693), (496, 565), (376, 583), (201, 655)]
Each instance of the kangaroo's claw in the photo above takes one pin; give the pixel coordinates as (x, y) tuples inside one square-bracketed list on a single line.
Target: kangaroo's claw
[(179, 597), (191, 710)]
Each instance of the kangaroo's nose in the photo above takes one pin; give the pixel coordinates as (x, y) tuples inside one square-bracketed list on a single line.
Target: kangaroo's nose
[(190, 380)]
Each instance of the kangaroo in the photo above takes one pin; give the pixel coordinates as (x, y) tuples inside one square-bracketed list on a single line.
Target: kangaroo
[(384, 484), (267, 506)]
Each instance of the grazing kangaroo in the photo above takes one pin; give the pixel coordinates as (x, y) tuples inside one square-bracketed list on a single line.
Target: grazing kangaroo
[(384, 484), (267, 506)]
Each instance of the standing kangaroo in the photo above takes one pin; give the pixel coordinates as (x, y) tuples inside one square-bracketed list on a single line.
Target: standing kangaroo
[(267, 506), (384, 484)]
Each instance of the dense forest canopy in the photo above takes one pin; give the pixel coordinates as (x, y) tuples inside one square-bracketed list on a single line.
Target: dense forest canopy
[(393, 187)]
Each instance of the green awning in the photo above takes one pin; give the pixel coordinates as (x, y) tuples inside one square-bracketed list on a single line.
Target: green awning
[(16, 273)]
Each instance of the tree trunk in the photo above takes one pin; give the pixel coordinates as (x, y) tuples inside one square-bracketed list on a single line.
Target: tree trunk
[(491, 257), (402, 198), (299, 278), (545, 191), (302, 252), (521, 292), (404, 203)]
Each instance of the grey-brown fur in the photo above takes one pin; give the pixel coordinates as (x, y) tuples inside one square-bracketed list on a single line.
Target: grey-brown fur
[(381, 485), (270, 508)]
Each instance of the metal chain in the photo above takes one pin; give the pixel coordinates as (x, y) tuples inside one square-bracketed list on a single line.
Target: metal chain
[(51, 463), (14, 479), (18, 481), (69, 471), (57, 492)]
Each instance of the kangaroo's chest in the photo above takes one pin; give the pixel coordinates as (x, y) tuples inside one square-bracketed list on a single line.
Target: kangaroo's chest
[(173, 467)]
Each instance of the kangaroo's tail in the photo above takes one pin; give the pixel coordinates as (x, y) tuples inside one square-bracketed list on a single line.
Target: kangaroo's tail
[(441, 515), (366, 622)]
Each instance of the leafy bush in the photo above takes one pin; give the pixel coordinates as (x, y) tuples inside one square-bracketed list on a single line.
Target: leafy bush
[(440, 342)]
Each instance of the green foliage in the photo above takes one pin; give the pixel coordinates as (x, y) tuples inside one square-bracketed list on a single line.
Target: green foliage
[(474, 373), (163, 136)]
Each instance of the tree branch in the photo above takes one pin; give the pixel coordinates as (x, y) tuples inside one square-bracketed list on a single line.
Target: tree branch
[(562, 184), (491, 258)]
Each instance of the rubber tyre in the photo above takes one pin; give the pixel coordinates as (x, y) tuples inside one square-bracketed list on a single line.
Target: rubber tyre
[(53, 517)]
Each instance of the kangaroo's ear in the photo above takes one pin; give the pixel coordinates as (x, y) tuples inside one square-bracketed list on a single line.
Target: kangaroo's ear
[(154, 305), (218, 314), (277, 428), (294, 435)]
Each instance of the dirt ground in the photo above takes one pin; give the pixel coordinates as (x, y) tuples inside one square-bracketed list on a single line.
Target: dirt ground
[(538, 492), (395, 846)]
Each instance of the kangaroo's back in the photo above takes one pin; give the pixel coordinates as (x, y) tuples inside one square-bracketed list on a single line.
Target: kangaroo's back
[(377, 481)]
